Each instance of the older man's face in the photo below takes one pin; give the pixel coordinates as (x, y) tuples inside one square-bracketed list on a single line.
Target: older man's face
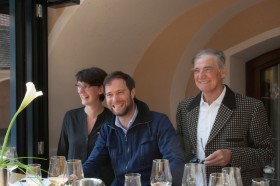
[(207, 74)]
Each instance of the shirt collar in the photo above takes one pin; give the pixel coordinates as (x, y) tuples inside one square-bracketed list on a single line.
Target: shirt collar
[(218, 101), (118, 123)]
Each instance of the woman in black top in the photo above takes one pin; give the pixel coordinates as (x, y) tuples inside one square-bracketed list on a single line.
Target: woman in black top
[(81, 126)]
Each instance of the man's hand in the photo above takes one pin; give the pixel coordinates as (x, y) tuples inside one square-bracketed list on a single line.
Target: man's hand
[(220, 157)]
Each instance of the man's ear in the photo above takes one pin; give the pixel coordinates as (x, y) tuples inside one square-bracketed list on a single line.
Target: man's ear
[(133, 93), (224, 72)]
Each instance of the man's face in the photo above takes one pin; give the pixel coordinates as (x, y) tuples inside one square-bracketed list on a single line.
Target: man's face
[(118, 97), (207, 74)]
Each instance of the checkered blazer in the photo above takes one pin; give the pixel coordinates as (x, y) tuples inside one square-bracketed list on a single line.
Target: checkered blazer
[(241, 125)]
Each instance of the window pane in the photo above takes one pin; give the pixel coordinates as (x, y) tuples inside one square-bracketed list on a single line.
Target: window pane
[(4, 75)]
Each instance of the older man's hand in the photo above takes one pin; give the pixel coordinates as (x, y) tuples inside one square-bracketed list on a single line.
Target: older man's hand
[(221, 157)]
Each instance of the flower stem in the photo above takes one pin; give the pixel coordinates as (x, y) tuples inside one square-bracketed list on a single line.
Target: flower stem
[(7, 136)]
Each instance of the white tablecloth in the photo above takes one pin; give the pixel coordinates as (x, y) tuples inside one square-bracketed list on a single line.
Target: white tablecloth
[(22, 182)]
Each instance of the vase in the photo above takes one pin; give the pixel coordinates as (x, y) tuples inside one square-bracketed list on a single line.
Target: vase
[(3, 177)]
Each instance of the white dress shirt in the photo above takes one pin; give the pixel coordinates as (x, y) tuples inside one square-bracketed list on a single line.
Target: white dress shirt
[(206, 119)]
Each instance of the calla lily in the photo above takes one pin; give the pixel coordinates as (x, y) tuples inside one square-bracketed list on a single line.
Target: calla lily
[(30, 95)]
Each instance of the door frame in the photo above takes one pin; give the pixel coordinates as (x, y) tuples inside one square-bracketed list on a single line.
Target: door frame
[(254, 68), (29, 62)]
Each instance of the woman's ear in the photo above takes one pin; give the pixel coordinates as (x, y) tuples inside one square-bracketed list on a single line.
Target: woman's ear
[(101, 90)]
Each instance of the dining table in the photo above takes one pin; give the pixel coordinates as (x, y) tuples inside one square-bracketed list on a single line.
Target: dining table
[(18, 179)]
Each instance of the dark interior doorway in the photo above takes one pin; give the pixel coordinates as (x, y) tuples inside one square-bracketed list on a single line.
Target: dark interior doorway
[(263, 82)]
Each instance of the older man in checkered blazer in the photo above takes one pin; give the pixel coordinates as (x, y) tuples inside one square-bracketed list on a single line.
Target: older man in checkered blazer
[(220, 127)]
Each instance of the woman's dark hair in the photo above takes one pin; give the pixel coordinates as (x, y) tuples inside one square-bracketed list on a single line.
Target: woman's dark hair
[(130, 83), (92, 76)]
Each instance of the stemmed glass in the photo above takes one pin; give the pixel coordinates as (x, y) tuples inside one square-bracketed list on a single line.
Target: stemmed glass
[(161, 175), (234, 175), (58, 170), (194, 174), (11, 155), (75, 170), (33, 175), (132, 179), (219, 179)]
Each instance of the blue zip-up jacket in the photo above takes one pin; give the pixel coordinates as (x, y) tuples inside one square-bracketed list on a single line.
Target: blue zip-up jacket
[(150, 137)]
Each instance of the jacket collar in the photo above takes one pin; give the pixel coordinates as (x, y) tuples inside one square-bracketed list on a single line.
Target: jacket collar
[(229, 100), (144, 114)]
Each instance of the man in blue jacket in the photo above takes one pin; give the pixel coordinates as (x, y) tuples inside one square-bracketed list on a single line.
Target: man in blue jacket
[(134, 137)]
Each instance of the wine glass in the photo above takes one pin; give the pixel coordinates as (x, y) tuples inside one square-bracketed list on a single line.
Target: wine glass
[(33, 175), (194, 174), (234, 175), (219, 179), (132, 179), (75, 169), (161, 175), (260, 182), (57, 170), (11, 156), (11, 152)]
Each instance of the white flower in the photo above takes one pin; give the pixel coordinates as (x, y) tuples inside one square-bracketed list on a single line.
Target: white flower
[(30, 95)]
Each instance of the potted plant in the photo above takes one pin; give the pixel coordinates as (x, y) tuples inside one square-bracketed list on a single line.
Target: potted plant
[(30, 95)]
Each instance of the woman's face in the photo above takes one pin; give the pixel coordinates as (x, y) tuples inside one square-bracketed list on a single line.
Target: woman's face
[(89, 94)]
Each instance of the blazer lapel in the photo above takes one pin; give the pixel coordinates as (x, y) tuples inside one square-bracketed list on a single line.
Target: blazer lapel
[(224, 113), (222, 117)]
